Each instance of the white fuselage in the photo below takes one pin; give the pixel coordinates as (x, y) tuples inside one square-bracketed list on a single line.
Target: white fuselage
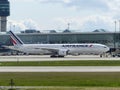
[(69, 48), (59, 50)]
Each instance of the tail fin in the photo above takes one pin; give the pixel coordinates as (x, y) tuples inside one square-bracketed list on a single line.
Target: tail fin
[(15, 39)]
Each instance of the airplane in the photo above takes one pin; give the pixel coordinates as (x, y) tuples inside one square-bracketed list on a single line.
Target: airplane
[(57, 50)]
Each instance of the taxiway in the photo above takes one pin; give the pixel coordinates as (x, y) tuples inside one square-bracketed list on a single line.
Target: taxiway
[(47, 58)]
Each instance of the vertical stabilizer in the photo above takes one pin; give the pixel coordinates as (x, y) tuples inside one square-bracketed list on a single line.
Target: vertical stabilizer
[(15, 39)]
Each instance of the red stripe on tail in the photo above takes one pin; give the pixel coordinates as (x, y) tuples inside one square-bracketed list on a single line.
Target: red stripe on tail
[(13, 41)]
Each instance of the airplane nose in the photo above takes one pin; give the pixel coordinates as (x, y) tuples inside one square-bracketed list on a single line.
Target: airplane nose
[(107, 49)]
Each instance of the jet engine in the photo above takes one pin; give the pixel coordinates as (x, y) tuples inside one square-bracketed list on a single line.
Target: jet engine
[(62, 52)]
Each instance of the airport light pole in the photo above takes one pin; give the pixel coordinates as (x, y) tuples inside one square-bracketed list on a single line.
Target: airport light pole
[(119, 34), (10, 25), (14, 27), (115, 36), (68, 26)]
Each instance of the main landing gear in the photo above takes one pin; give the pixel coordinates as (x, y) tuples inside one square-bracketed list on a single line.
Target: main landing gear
[(104, 55), (56, 56)]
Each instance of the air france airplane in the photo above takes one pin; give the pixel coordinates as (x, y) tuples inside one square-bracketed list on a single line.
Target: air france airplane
[(57, 50)]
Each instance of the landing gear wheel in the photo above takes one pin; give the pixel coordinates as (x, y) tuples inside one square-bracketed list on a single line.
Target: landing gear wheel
[(54, 56), (101, 55), (60, 56)]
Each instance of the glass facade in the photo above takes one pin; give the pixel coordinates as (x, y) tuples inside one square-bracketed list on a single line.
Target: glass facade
[(110, 39), (4, 8)]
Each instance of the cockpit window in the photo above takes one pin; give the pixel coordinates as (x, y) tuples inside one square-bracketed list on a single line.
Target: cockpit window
[(105, 47)]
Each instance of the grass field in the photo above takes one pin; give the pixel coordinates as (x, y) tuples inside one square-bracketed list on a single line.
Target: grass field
[(65, 88), (68, 88), (76, 88), (61, 79), (64, 63)]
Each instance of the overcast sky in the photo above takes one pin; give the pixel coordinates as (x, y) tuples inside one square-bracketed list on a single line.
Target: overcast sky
[(83, 15)]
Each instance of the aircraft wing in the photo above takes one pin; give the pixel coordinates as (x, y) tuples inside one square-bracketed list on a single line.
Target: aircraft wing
[(58, 51), (51, 49)]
